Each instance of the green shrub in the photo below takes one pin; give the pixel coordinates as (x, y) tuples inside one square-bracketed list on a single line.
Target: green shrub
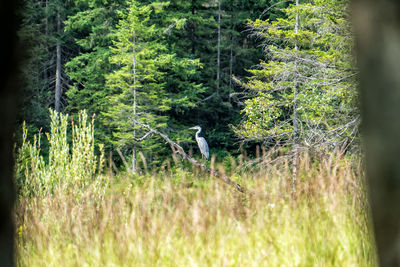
[(67, 167)]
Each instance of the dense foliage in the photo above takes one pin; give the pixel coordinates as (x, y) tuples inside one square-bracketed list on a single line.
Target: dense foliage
[(262, 71), (305, 91)]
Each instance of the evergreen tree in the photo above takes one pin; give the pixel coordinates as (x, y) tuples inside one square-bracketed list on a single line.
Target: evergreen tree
[(91, 28), (46, 49), (149, 80), (199, 39), (34, 72), (306, 88)]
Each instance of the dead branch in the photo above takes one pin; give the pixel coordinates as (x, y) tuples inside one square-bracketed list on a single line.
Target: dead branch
[(205, 99), (143, 137), (177, 149), (123, 159)]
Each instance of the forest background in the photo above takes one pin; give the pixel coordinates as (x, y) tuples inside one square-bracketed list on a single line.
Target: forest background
[(250, 73)]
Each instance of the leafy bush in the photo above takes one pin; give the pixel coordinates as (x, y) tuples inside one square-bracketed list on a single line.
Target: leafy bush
[(67, 167)]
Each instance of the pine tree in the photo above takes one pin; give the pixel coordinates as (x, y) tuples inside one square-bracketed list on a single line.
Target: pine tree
[(46, 49), (92, 27), (198, 39), (34, 72), (149, 80), (306, 89)]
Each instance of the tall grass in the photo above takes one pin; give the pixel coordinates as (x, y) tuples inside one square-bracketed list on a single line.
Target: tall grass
[(184, 218)]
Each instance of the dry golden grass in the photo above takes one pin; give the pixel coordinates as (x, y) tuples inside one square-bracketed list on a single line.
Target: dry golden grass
[(178, 218)]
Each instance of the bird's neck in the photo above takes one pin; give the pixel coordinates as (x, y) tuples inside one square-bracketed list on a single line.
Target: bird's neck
[(197, 134)]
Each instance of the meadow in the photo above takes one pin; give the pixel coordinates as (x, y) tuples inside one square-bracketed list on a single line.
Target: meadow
[(71, 214)]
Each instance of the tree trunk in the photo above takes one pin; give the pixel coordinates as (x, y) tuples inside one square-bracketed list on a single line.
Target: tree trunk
[(46, 20), (295, 114), (231, 66), (193, 28), (8, 95), (58, 91), (46, 29), (134, 100), (231, 61), (377, 25), (219, 47)]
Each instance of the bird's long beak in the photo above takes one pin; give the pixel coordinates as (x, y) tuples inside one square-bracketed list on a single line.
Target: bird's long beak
[(192, 128)]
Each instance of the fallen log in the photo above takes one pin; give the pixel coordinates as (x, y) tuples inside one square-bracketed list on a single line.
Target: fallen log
[(177, 149)]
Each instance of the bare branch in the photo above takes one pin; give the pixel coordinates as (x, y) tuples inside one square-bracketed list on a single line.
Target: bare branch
[(205, 99), (144, 137), (266, 10), (177, 149)]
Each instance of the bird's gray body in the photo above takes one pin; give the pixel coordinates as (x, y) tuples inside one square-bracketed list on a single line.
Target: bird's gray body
[(201, 142)]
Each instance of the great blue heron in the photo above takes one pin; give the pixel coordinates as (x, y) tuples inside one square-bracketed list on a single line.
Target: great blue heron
[(201, 142)]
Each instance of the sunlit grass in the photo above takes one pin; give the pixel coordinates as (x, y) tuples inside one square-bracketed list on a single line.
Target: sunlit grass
[(177, 218)]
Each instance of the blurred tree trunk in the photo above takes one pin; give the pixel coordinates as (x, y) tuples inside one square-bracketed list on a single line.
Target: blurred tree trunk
[(377, 26), (8, 94)]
